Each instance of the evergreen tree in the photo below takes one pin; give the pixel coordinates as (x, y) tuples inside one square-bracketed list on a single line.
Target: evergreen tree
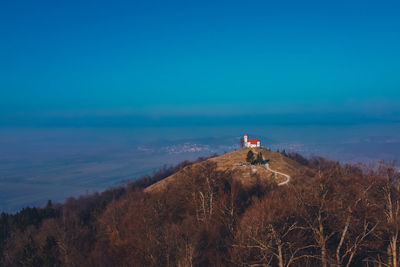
[(250, 157), (259, 159), (47, 255)]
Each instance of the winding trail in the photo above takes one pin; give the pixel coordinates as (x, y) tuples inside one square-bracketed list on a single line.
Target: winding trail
[(281, 173)]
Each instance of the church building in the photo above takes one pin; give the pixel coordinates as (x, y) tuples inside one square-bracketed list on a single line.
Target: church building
[(253, 142)]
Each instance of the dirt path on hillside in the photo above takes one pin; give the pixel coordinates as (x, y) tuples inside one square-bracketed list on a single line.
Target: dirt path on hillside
[(280, 173)]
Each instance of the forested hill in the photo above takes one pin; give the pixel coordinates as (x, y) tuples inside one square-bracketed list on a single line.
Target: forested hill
[(229, 210)]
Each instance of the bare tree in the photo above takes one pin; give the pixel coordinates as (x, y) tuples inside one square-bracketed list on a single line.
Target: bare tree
[(269, 234), (241, 142), (315, 214), (392, 212), (353, 230)]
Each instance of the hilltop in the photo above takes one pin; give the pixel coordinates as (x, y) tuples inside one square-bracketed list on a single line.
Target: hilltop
[(245, 173)]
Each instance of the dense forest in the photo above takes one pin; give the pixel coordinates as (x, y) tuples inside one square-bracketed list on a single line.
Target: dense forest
[(341, 215)]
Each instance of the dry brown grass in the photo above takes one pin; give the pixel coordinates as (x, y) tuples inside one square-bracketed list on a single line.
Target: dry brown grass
[(246, 173)]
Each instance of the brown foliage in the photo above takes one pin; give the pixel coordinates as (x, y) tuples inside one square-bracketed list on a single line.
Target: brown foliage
[(345, 215)]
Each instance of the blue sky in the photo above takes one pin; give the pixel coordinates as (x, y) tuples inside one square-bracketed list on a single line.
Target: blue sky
[(110, 59)]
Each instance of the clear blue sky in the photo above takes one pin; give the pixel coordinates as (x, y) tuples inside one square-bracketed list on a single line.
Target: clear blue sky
[(160, 58)]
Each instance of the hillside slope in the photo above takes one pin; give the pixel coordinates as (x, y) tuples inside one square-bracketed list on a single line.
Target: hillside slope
[(246, 173)]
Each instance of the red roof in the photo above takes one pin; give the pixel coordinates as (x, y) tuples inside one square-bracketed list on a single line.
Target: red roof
[(246, 135), (253, 141)]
